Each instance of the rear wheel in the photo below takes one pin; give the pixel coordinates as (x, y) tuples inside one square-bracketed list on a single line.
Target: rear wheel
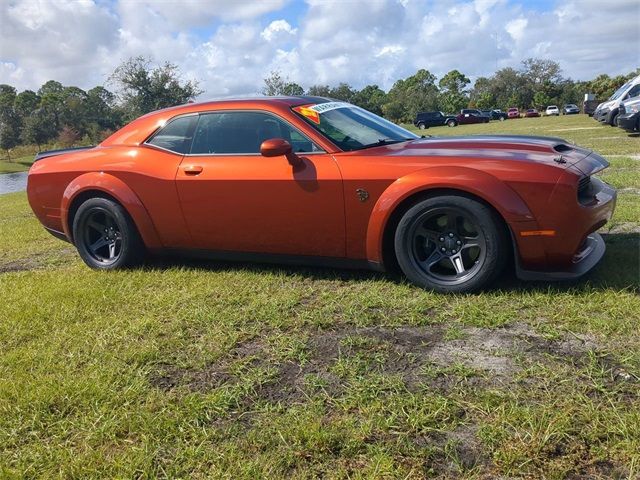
[(450, 244), (105, 235)]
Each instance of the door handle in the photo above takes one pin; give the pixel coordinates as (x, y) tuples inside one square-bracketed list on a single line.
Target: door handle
[(193, 170)]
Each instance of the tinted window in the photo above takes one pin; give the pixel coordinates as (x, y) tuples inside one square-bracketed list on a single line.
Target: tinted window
[(244, 132), (176, 135)]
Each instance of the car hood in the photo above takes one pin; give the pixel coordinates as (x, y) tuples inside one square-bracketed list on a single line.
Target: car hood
[(607, 104), (547, 150)]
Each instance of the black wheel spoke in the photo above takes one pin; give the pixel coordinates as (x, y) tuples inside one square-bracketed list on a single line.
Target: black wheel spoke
[(98, 244), (107, 244), (452, 222), (432, 259), (96, 226), (428, 234)]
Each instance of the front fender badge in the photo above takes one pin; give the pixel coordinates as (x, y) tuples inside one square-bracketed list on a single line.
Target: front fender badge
[(363, 195)]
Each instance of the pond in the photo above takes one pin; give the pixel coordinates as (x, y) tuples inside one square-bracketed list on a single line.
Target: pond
[(13, 182)]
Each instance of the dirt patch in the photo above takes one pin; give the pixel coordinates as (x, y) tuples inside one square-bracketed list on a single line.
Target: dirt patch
[(36, 261), (419, 356)]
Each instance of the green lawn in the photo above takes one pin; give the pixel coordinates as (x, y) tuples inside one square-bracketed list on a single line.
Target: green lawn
[(199, 370)]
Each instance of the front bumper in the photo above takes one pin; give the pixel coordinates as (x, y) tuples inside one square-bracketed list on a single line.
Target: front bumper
[(629, 121), (575, 247), (588, 256), (601, 114)]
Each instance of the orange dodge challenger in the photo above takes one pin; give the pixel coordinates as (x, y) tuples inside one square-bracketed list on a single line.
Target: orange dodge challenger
[(313, 181)]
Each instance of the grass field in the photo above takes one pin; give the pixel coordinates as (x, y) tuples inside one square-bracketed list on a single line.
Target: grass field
[(200, 370)]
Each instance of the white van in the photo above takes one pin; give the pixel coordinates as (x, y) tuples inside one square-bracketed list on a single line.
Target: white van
[(608, 111)]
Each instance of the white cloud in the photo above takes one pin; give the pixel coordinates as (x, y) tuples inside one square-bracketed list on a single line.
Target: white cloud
[(517, 28), (278, 30), (231, 46)]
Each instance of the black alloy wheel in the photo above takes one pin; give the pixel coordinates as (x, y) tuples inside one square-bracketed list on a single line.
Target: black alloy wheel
[(450, 244), (105, 235)]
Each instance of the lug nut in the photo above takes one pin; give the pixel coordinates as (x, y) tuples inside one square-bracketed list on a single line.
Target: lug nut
[(442, 239), (458, 242), (451, 235), (443, 249)]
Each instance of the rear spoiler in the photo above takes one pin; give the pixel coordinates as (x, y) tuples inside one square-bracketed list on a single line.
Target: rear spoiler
[(53, 153)]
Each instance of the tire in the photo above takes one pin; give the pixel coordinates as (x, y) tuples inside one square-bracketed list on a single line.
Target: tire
[(613, 117), (452, 123), (105, 236), (502, 119), (476, 247), (422, 126)]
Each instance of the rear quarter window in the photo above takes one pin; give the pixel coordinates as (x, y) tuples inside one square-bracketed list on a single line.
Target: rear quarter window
[(176, 136)]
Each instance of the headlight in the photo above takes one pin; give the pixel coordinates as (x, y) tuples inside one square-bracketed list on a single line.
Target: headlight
[(633, 108)]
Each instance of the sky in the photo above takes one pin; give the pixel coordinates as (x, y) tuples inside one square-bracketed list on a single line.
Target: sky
[(230, 46)]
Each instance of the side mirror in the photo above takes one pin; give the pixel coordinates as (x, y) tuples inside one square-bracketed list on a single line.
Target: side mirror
[(276, 147)]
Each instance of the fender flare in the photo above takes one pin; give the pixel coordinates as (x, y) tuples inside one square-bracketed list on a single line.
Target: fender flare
[(475, 182), (117, 189)]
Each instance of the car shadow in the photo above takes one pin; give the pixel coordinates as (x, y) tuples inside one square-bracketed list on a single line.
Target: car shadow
[(618, 270)]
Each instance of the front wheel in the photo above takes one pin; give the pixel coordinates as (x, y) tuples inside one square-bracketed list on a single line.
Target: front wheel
[(452, 123), (422, 126), (450, 244), (502, 119), (105, 235)]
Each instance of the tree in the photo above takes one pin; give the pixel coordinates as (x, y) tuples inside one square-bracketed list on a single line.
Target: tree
[(539, 71), (453, 87), (9, 130), (275, 85), (370, 98), (39, 127), (414, 94), (343, 92), (143, 89), (319, 91), (7, 97), (26, 102)]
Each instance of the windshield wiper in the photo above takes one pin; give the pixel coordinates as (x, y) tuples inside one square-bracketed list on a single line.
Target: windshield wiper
[(384, 141)]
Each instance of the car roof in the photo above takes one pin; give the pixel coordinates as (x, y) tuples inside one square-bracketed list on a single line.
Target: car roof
[(136, 131)]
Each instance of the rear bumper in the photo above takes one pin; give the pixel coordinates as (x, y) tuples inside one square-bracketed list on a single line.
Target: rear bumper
[(587, 257), (629, 121)]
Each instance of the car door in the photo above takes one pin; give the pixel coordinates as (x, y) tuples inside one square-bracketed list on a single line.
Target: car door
[(235, 199)]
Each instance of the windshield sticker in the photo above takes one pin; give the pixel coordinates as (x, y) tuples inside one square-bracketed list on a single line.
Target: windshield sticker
[(312, 112), (308, 113)]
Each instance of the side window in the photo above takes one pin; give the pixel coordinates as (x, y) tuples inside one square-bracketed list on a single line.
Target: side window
[(176, 135), (634, 92), (243, 133)]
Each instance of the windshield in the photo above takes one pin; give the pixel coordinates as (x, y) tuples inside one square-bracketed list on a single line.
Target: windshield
[(618, 93), (351, 127)]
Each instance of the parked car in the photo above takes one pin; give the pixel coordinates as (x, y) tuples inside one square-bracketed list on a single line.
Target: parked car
[(513, 112), (495, 114), (629, 115), (310, 180), (468, 116), (552, 110), (607, 112), (532, 112), (434, 119), (570, 109), (589, 107)]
